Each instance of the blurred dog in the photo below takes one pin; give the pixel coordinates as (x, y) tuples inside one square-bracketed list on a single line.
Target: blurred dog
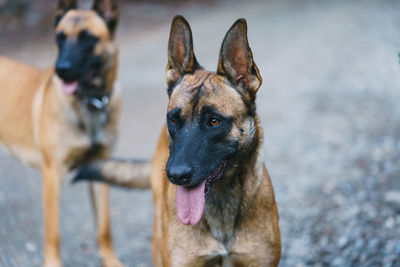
[(60, 118), (218, 207)]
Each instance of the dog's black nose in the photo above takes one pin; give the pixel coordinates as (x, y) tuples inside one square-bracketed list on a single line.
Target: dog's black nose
[(63, 68), (179, 174)]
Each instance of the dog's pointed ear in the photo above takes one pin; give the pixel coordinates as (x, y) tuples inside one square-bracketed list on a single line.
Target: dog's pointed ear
[(109, 11), (236, 60), (181, 58), (63, 7)]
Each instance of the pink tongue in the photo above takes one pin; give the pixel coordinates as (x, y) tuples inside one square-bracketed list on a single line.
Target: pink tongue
[(190, 203), (69, 88)]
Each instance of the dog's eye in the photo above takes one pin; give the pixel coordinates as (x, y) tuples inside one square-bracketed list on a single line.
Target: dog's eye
[(173, 118), (60, 38), (172, 121), (87, 38), (214, 122), (83, 35)]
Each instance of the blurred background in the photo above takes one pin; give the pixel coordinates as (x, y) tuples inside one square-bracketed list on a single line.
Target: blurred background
[(329, 106)]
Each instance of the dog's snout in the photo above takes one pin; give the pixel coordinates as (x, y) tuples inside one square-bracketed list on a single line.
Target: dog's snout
[(64, 65), (63, 68), (179, 174)]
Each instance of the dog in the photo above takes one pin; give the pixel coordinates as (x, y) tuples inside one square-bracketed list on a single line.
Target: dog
[(63, 117), (213, 197), (218, 207)]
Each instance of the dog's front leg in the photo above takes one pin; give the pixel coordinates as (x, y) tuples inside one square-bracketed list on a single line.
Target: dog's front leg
[(99, 194), (51, 199)]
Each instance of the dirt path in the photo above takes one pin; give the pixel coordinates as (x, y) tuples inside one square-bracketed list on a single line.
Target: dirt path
[(329, 107)]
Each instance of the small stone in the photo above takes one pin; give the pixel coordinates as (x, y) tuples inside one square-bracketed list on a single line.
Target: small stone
[(397, 248), (393, 197), (358, 245), (387, 263), (389, 223), (389, 247), (372, 244), (30, 247), (338, 262), (342, 242)]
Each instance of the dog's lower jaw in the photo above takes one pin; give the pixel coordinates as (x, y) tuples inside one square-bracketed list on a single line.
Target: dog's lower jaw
[(217, 175)]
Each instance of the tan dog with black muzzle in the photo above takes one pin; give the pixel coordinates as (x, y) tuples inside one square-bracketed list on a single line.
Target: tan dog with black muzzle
[(60, 118), (214, 202)]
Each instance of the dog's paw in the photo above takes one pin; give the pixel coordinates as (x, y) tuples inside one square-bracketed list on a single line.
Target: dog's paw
[(112, 261), (52, 263)]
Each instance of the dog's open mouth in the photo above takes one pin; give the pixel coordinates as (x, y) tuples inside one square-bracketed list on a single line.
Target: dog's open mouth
[(70, 87), (214, 177), (190, 201)]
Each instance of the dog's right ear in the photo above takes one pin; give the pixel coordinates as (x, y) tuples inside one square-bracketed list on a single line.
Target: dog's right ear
[(181, 58), (63, 7), (109, 11)]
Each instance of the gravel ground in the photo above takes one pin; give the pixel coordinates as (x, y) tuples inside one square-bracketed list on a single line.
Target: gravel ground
[(329, 107)]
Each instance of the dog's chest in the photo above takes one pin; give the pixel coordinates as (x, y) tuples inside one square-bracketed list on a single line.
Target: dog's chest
[(221, 239), (86, 137), (213, 247), (205, 251), (221, 212), (93, 121)]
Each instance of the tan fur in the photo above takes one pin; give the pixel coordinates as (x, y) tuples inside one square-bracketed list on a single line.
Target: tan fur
[(42, 126), (239, 226)]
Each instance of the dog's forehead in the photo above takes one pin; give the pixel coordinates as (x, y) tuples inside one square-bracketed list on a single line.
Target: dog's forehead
[(204, 88), (76, 21)]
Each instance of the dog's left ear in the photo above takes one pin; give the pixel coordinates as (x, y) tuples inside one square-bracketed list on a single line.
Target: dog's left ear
[(63, 7), (109, 11), (236, 60)]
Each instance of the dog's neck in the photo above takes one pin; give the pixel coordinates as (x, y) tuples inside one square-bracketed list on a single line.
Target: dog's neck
[(102, 84), (88, 108), (232, 196)]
